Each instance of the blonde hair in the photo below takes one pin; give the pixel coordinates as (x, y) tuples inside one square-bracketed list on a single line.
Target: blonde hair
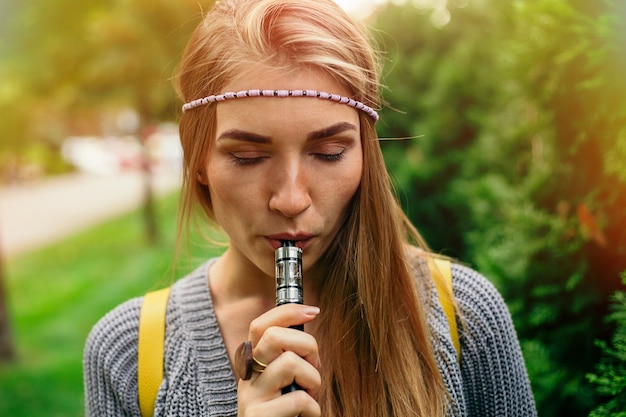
[(377, 354)]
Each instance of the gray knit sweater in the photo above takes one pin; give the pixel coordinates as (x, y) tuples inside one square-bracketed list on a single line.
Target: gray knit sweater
[(491, 379)]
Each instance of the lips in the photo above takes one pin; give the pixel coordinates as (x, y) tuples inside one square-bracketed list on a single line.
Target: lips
[(301, 240)]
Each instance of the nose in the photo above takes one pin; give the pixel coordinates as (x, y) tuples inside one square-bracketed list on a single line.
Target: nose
[(290, 192)]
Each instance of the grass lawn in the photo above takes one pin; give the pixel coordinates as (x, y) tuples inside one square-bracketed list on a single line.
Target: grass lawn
[(56, 294)]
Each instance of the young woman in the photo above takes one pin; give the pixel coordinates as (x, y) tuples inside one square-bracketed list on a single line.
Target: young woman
[(279, 144)]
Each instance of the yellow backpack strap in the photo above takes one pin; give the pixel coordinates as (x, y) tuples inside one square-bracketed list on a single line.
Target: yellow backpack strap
[(150, 348), (442, 274)]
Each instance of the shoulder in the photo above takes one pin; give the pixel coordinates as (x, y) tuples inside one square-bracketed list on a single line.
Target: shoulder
[(116, 331), (473, 291), (480, 304), (482, 316), (475, 297)]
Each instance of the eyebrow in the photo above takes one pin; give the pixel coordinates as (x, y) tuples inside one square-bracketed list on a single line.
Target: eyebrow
[(244, 136), (331, 131)]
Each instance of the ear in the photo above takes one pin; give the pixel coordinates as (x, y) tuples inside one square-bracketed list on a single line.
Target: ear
[(202, 178)]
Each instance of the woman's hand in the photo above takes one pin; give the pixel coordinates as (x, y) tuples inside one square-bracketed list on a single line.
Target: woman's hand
[(291, 355)]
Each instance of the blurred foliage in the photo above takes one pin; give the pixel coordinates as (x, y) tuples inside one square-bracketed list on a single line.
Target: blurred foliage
[(71, 68), (57, 293), (610, 376), (518, 113)]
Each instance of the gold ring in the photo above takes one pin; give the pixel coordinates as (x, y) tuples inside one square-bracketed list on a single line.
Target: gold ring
[(258, 366)]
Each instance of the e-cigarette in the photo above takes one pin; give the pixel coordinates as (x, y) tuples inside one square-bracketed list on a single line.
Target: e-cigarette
[(289, 283)]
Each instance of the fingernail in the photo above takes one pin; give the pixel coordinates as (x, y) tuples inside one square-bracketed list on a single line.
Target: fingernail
[(311, 310)]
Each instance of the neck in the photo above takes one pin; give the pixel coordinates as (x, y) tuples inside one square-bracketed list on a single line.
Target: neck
[(234, 278)]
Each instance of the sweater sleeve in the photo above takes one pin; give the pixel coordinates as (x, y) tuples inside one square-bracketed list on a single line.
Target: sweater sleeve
[(110, 363), (495, 380)]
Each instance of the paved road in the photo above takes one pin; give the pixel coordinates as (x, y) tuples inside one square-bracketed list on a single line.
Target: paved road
[(36, 214)]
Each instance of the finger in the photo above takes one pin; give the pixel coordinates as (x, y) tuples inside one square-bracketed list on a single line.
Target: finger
[(286, 369), (277, 340), (283, 316), (297, 403)]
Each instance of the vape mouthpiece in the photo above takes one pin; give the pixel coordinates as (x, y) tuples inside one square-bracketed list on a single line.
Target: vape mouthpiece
[(288, 274)]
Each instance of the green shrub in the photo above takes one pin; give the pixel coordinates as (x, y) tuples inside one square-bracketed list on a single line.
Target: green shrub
[(610, 376)]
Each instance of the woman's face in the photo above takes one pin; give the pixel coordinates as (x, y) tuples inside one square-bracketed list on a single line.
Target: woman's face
[(283, 168)]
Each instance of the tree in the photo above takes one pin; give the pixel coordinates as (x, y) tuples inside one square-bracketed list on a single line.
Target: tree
[(63, 64), (137, 44), (519, 109), (7, 350)]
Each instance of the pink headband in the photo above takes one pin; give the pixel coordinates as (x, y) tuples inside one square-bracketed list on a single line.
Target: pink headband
[(282, 93)]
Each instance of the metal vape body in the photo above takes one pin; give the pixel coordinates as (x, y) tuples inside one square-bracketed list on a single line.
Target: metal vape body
[(288, 259), (288, 274)]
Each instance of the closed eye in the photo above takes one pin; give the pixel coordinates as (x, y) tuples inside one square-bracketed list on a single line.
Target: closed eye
[(247, 158), (331, 157), (331, 150)]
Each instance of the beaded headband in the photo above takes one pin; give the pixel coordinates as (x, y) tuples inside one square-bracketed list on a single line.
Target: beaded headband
[(282, 93)]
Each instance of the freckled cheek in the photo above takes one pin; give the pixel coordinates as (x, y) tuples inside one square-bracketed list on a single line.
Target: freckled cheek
[(343, 189), (231, 193)]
